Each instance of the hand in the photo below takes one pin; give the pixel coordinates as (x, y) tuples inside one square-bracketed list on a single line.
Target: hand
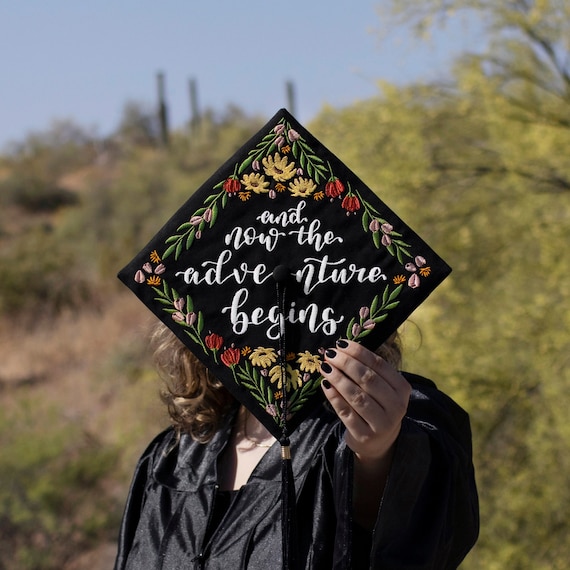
[(369, 396)]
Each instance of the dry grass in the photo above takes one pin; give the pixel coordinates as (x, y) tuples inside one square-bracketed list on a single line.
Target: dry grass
[(93, 367)]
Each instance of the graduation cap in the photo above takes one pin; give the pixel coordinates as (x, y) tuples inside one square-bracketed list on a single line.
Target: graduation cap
[(280, 253)]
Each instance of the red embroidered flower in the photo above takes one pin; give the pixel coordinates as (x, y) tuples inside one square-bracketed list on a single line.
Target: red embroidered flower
[(350, 203), (214, 341), (232, 185), (334, 188), (230, 357)]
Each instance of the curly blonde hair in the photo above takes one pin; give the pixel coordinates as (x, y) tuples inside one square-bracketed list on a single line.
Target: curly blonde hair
[(197, 401)]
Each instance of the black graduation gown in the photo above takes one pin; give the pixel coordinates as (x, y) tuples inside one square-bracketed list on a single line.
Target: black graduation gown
[(428, 518)]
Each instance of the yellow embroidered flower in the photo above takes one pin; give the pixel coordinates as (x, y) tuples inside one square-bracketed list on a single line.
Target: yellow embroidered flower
[(255, 182), (308, 362), (399, 279), (263, 357), (154, 257), (278, 167), (293, 380), (153, 280), (244, 196), (302, 187), (425, 271)]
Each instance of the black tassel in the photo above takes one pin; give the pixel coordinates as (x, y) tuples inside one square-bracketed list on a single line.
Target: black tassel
[(288, 514)]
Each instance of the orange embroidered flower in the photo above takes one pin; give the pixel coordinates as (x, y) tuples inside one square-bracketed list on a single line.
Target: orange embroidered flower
[(285, 149), (399, 279), (153, 280), (280, 187), (154, 257), (425, 271), (318, 195), (244, 196), (245, 350)]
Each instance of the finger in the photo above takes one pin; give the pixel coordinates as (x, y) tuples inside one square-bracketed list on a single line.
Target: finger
[(363, 365), (344, 409)]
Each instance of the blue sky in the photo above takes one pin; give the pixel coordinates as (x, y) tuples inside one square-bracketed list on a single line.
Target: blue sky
[(84, 59)]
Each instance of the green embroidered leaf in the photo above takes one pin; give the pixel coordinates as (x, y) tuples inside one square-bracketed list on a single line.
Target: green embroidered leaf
[(295, 150), (215, 211), (190, 239), (349, 328), (200, 325), (184, 226), (245, 164), (391, 306), (169, 251), (395, 292), (189, 304), (386, 295), (380, 318), (224, 199), (178, 250), (166, 289), (374, 305), (172, 239), (365, 221), (376, 239)]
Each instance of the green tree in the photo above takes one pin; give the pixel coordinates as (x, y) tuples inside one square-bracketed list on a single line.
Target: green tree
[(477, 166)]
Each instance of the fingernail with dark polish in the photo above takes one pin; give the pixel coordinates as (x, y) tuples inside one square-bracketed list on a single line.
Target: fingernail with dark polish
[(326, 384), (341, 343), (330, 353), (326, 367)]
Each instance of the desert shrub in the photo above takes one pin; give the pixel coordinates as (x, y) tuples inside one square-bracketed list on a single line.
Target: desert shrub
[(34, 194), (42, 275), (52, 497)]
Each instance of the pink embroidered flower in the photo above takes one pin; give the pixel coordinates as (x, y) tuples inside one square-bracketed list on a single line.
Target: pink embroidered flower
[(420, 261), (374, 226), (414, 281), (293, 135)]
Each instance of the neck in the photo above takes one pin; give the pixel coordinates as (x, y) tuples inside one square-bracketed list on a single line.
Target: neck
[(251, 432)]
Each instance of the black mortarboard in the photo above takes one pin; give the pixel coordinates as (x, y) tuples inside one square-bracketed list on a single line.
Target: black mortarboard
[(282, 228), (280, 253)]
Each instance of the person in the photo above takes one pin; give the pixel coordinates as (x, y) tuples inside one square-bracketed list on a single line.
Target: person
[(383, 473)]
